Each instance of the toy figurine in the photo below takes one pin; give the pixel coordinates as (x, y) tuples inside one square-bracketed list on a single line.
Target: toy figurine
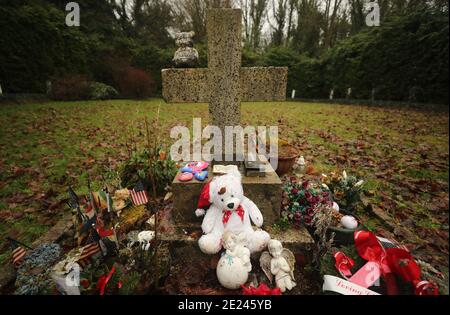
[(279, 262), (234, 265)]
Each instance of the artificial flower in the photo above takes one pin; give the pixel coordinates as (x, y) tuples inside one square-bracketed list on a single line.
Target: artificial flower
[(263, 289)]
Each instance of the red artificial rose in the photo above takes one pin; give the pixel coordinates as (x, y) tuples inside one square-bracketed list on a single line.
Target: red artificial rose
[(84, 283), (263, 289)]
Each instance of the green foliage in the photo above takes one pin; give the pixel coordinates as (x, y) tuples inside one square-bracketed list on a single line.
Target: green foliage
[(250, 58), (138, 168), (307, 78), (130, 281), (152, 59), (282, 224), (35, 45), (345, 189), (406, 58), (101, 91)]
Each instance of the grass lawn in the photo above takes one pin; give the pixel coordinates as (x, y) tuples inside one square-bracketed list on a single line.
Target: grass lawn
[(402, 153)]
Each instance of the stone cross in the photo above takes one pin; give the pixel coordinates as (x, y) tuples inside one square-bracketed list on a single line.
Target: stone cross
[(224, 84)]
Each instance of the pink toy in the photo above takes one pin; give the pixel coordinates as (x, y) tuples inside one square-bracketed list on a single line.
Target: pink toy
[(186, 177), (195, 167)]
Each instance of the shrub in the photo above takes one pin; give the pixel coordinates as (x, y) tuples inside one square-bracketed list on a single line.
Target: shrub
[(137, 168), (135, 83), (35, 45), (101, 91), (71, 88)]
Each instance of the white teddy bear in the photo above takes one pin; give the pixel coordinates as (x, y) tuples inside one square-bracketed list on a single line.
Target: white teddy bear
[(229, 211)]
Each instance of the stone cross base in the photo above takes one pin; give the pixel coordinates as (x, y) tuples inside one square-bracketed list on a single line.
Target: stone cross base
[(265, 192)]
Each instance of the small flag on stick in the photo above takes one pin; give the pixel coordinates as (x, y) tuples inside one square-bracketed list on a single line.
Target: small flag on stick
[(139, 195), (74, 200), (87, 253), (18, 253), (74, 203)]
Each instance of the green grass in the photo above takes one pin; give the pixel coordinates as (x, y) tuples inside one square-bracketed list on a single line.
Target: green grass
[(49, 146)]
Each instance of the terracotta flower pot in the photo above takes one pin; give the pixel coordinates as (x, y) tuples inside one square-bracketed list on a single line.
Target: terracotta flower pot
[(287, 156)]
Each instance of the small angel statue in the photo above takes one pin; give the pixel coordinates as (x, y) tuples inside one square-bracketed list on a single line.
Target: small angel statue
[(279, 262), (234, 265)]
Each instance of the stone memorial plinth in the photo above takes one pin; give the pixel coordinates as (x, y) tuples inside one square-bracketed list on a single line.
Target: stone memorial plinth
[(265, 192)]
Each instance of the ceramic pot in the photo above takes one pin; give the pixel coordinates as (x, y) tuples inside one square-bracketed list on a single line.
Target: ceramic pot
[(287, 157)]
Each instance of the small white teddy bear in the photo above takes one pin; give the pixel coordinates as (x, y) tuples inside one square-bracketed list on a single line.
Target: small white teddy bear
[(229, 211), (144, 238)]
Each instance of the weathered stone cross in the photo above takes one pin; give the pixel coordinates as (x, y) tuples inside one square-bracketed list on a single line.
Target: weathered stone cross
[(224, 84)]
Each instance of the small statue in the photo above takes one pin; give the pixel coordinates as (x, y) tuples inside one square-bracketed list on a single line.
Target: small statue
[(279, 262), (234, 265), (186, 56), (144, 238)]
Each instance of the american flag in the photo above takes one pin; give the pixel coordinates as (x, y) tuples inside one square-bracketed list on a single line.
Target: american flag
[(139, 195), (19, 251), (18, 255), (87, 253), (386, 243)]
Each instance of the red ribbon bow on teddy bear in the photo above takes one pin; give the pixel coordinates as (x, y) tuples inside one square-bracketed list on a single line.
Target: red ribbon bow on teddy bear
[(227, 214)]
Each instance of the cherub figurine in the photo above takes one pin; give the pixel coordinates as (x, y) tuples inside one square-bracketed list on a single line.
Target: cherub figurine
[(279, 262), (236, 246), (234, 265)]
